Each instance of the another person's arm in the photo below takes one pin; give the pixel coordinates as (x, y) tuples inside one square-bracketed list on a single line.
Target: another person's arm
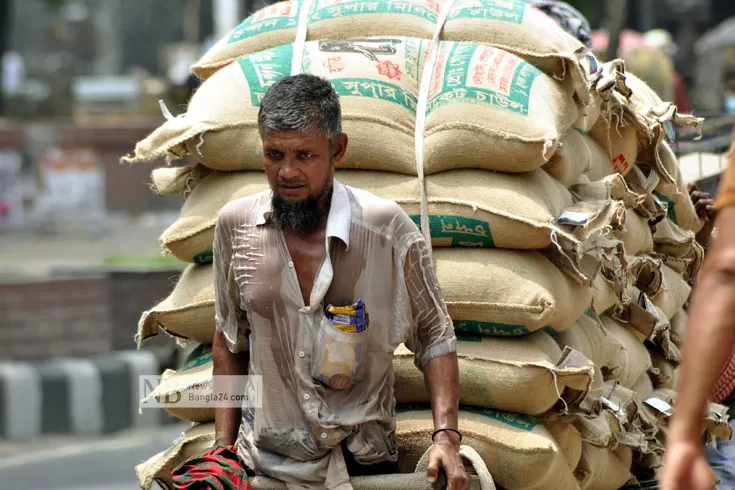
[(230, 350), (710, 338), (434, 344), (706, 209)]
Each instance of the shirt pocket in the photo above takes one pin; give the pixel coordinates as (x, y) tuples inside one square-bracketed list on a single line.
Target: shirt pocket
[(339, 358)]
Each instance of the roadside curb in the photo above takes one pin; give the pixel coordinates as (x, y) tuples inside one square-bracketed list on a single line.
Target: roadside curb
[(77, 396)]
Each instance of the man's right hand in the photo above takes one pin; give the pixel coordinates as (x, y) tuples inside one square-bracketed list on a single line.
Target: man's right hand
[(686, 468)]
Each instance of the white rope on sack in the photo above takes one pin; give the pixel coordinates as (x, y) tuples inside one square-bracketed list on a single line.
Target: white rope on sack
[(475, 460), (300, 42), (421, 108)]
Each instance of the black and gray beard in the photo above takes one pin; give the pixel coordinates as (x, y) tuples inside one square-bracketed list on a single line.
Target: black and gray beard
[(302, 216)]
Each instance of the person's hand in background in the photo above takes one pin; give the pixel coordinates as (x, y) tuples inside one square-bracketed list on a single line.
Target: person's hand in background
[(705, 206)]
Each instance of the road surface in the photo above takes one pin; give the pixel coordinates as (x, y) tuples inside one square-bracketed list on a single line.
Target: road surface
[(75, 463)]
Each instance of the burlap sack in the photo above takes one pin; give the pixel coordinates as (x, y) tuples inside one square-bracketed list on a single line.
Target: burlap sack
[(662, 372), (602, 469), (568, 438), (618, 139), (518, 27), (645, 274), (188, 312), (674, 293), (637, 236), (510, 445), (168, 181), (476, 208), (490, 109), (600, 163), (629, 364), (641, 93), (572, 159), (507, 293), (191, 383), (377, 80), (679, 325), (190, 238), (588, 337), (158, 468), (606, 294), (678, 249), (643, 387), (330, 20), (680, 208), (518, 375)]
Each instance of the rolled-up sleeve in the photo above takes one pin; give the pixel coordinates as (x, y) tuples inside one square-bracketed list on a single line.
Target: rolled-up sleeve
[(726, 192), (431, 334), (230, 320)]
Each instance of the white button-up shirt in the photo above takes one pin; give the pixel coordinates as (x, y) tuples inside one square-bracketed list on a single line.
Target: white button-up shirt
[(374, 253)]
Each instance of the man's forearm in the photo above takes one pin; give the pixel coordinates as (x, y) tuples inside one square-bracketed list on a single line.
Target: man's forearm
[(441, 376), (225, 363), (709, 342)]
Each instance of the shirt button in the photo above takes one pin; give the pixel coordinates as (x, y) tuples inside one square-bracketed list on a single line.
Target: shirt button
[(306, 397), (324, 435), (302, 354), (290, 264)]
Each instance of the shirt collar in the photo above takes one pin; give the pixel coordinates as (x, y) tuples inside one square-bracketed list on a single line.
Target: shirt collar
[(338, 221)]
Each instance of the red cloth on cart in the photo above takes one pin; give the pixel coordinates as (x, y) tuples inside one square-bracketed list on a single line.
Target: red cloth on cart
[(217, 468)]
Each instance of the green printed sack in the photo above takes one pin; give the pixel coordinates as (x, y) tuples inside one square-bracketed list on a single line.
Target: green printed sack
[(490, 109), (506, 292), (180, 389), (519, 451), (520, 28), (329, 20), (188, 312), (518, 375), (377, 80)]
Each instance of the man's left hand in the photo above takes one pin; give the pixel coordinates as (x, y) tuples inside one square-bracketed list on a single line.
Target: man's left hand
[(445, 455)]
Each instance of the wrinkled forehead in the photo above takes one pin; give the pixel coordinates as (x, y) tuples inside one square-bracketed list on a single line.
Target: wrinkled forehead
[(295, 139)]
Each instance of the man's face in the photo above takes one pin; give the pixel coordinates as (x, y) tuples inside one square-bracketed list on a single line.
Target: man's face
[(300, 170)]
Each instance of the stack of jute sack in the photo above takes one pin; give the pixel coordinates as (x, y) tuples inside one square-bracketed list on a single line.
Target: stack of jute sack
[(512, 148)]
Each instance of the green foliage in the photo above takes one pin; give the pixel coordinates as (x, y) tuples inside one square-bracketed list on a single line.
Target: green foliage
[(54, 4)]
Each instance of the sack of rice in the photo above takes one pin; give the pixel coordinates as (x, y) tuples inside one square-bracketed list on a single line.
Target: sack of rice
[(645, 274), (519, 375), (190, 238), (168, 181), (631, 362), (679, 325), (476, 208), (662, 372), (571, 160), (188, 312), (674, 293), (520, 28), (606, 294), (490, 109), (637, 236), (507, 292), (588, 337), (157, 469), (673, 193), (618, 140), (510, 444), (329, 20), (643, 387), (188, 385), (377, 95), (603, 468), (567, 437), (678, 249)]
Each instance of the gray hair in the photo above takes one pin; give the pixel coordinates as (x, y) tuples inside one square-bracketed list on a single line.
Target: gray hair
[(300, 103)]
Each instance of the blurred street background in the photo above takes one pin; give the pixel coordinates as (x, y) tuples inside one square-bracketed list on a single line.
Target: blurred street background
[(80, 260)]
